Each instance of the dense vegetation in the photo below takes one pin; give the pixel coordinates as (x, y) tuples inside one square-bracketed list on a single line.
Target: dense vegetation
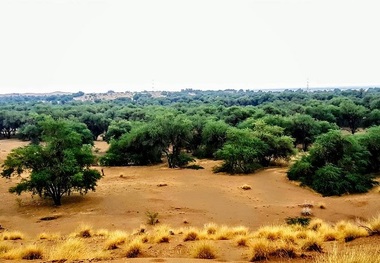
[(247, 130), (57, 167)]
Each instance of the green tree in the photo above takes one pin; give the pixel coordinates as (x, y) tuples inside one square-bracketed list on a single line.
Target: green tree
[(241, 153), (96, 123), (141, 146), (336, 165), (116, 129), (176, 134), (57, 167), (214, 135), (352, 115)]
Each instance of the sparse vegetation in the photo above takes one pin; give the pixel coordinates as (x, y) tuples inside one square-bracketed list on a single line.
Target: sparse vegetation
[(134, 248), (203, 250), (152, 217), (303, 221)]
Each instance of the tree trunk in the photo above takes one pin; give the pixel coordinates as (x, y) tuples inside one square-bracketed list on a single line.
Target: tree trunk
[(57, 200)]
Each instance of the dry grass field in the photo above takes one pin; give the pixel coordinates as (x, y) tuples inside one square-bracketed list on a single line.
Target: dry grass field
[(201, 215)]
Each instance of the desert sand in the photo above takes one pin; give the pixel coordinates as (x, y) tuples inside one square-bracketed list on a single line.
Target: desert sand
[(190, 198)]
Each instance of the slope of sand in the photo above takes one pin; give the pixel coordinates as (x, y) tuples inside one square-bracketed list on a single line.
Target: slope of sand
[(196, 196)]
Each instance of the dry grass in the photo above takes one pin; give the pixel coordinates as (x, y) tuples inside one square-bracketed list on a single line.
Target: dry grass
[(134, 248), (75, 249), (242, 241), (348, 231), (49, 236), (374, 223), (13, 235), (240, 231), (353, 255), (102, 233), (264, 249), (278, 241), (32, 252), (203, 250), (115, 239), (4, 250), (210, 228), (161, 234), (191, 234), (70, 249), (271, 232), (84, 231), (312, 242)]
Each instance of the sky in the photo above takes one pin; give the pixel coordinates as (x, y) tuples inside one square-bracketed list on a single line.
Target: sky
[(101, 45)]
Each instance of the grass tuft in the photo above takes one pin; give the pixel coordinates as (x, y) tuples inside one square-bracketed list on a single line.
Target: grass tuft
[(32, 253), (134, 248), (14, 235), (203, 250), (49, 236), (191, 234), (115, 239)]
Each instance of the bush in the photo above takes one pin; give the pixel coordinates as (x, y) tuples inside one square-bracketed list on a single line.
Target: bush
[(303, 221), (336, 165)]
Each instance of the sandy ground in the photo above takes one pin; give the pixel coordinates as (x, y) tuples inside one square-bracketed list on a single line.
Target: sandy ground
[(125, 194)]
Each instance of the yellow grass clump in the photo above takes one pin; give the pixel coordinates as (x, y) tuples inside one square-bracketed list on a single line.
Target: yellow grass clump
[(84, 231), (75, 249), (374, 223), (115, 239), (31, 252), (348, 231), (211, 228), (312, 242), (240, 230), (271, 232), (49, 236), (203, 250), (263, 249), (191, 234), (241, 241), (134, 248), (353, 255), (13, 235), (161, 234)]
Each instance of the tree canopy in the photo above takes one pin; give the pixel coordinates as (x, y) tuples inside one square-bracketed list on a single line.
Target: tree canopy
[(58, 166)]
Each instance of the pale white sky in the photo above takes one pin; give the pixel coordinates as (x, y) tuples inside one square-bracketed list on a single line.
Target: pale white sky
[(98, 45)]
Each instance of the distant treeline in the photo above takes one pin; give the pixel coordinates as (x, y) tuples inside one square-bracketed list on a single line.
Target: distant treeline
[(246, 129)]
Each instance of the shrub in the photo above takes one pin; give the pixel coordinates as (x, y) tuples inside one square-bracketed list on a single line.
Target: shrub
[(14, 235), (134, 249), (152, 217), (303, 221), (32, 253), (115, 239), (203, 250), (191, 235)]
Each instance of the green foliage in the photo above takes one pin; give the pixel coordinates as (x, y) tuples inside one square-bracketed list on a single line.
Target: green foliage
[(336, 165), (141, 146), (241, 152), (116, 129), (152, 217), (303, 221), (214, 135), (58, 166), (247, 150)]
